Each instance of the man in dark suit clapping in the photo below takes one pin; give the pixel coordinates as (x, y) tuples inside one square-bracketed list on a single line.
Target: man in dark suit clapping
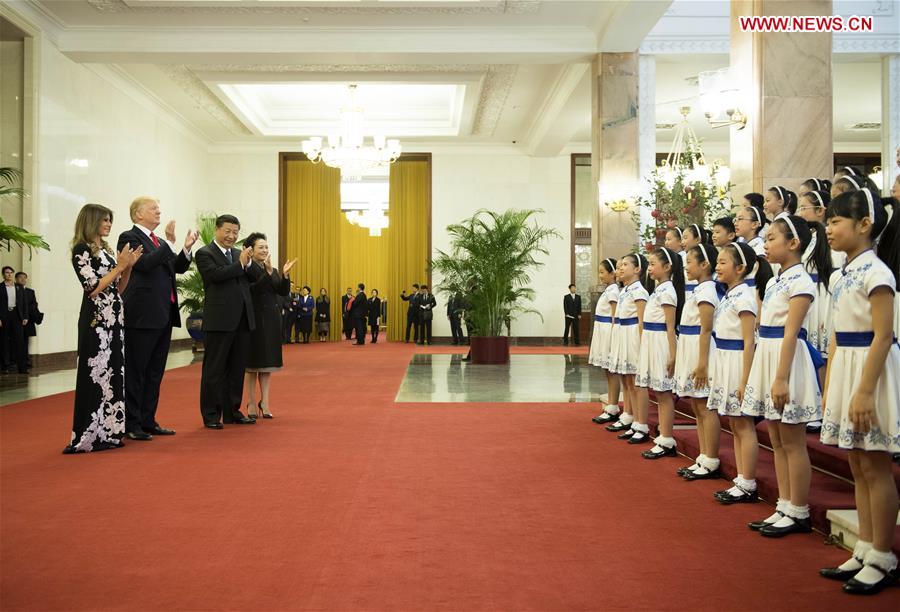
[(228, 320), (572, 308), (151, 311), (412, 313), (358, 311)]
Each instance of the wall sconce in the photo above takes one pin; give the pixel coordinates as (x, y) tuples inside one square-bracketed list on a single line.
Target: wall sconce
[(616, 199), (719, 96), (877, 176)]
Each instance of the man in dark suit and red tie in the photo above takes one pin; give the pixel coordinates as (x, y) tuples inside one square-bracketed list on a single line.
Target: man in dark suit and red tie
[(228, 320), (151, 311)]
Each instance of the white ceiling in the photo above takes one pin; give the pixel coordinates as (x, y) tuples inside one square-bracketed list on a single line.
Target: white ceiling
[(429, 71)]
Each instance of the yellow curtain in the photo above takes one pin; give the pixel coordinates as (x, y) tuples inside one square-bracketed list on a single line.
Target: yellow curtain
[(335, 254)]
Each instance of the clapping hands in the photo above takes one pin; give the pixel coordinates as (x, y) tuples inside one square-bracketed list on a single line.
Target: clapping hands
[(287, 266)]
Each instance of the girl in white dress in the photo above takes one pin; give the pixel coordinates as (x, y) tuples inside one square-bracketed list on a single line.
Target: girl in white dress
[(862, 382), (748, 224), (692, 359), (813, 184), (784, 386), (600, 341), (674, 238), (656, 361), (729, 370), (625, 344)]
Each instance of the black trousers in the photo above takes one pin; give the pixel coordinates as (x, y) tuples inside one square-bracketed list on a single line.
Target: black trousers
[(12, 337), (222, 380), (146, 351), (456, 329), (374, 328), (360, 326), (573, 325), (349, 326), (424, 331), (412, 323), (287, 326)]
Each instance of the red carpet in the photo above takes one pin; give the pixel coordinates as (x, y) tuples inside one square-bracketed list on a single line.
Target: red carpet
[(349, 501)]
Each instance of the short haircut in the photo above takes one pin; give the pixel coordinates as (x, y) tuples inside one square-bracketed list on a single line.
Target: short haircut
[(252, 239), (572, 285), (424, 287), (416, 285), (223, 219), (361, 286), (307, 288), (18, 274), (137, 203), (10, 268)]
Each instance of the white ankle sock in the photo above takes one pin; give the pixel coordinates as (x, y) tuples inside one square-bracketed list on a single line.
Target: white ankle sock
[(797, 512), (612, 410), (747, 485), (885, 561), (782, 505), (859, 553), (710, 464), (784, 521), (664, 442), (626, 419), (641, 427), (776, 516)]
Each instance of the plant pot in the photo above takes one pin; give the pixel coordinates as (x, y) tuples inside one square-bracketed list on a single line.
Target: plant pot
[(194, 325), (486, 350)]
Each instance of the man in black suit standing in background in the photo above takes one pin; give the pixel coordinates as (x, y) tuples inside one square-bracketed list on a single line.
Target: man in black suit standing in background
[(426, 314), (358, 312), (412, 313), (228, 320), (13, 321), (35, 316), (572, 308), (454, 313), (151, 311), (346, 321)]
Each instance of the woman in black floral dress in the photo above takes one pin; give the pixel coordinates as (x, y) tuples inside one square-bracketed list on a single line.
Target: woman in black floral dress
[(99, 421)]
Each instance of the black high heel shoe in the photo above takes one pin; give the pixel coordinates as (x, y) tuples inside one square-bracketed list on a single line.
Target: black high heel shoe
[(265, 414)]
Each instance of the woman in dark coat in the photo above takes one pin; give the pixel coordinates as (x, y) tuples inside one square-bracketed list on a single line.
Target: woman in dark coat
[(374, 315), (323, 315), (264, 355), (305, 313)]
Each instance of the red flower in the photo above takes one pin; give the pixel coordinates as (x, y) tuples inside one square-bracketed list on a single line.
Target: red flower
[(648, 246), (655, 214), (670, 224), (685, 210)]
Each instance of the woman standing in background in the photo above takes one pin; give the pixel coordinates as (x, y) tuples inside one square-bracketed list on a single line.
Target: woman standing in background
[(323, 315)]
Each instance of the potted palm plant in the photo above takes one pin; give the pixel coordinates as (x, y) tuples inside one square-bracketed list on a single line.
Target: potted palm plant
[(12, 233), (490, 261), (190, 285)]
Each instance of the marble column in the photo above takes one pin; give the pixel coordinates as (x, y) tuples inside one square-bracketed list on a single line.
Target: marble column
[(615, 146), (785, 83), (890, 120)]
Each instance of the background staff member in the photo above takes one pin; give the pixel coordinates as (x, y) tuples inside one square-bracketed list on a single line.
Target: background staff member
[(412, 313), (13, 321), (358, 311), (374, 315), (345, 313), (454, 313), (426, 314), (572, 308), (35, 316)]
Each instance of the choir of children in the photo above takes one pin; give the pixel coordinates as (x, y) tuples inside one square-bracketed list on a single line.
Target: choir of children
[(740, 324)]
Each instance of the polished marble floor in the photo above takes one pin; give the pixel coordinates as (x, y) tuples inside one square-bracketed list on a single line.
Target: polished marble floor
[(527, 378), (15, 388)]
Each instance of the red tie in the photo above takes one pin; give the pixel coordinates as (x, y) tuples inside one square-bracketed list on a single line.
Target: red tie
[(155, 241)]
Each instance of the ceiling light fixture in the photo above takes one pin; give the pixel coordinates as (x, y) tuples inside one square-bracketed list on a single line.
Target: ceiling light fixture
[(346, 149)]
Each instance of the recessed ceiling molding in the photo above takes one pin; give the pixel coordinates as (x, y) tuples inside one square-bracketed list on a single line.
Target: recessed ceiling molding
[(203, 98), (497, 83), (548, 115), (311, 108), (491, 7)]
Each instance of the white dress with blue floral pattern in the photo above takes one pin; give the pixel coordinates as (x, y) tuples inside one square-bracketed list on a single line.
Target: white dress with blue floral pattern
[(687, 354), (726, 367), (625, 344), (599, 353), (853, 313), (654, 352)]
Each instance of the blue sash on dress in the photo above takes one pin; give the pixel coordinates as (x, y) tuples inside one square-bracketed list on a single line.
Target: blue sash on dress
[(602, 319), (627, 321), (649, 326)]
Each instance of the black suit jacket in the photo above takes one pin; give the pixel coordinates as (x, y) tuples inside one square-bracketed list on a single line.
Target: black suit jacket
[(572, 305), (360, 307), (414, 301), (23, 302), (35, 316), (148, 296), (374, 310), (227, 289)]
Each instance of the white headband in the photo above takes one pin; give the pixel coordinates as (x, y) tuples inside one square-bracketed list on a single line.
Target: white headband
[(668, 257), (697, 232), (703, 253), (871, 203), (637, 258), (780, 193), (850, 170), (678, 229), (737, 247), (610, 263), (852, 181), (787, 219), (756, 214), (816, 183), (819, 198)]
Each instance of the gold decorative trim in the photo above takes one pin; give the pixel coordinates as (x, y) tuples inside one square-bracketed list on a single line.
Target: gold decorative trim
[(506, 7)]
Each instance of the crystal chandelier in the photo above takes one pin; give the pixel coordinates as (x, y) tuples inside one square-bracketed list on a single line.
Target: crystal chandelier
[(686, 157), (346, 150)]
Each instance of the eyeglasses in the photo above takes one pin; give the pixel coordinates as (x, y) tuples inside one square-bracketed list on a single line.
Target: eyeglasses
[(743, 219), (808, 208)]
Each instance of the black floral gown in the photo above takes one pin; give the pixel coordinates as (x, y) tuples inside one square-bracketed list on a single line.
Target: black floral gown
[(99, 421)]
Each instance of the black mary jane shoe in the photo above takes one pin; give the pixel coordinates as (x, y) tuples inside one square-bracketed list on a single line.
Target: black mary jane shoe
[(626, 435), (855, 587), (684, 470), (709, 475), (744, 498), (666, 451), (813, 429), (617, 426), (836, 573), (798, 526), (642, 439), (757, 525), (602, 419)]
